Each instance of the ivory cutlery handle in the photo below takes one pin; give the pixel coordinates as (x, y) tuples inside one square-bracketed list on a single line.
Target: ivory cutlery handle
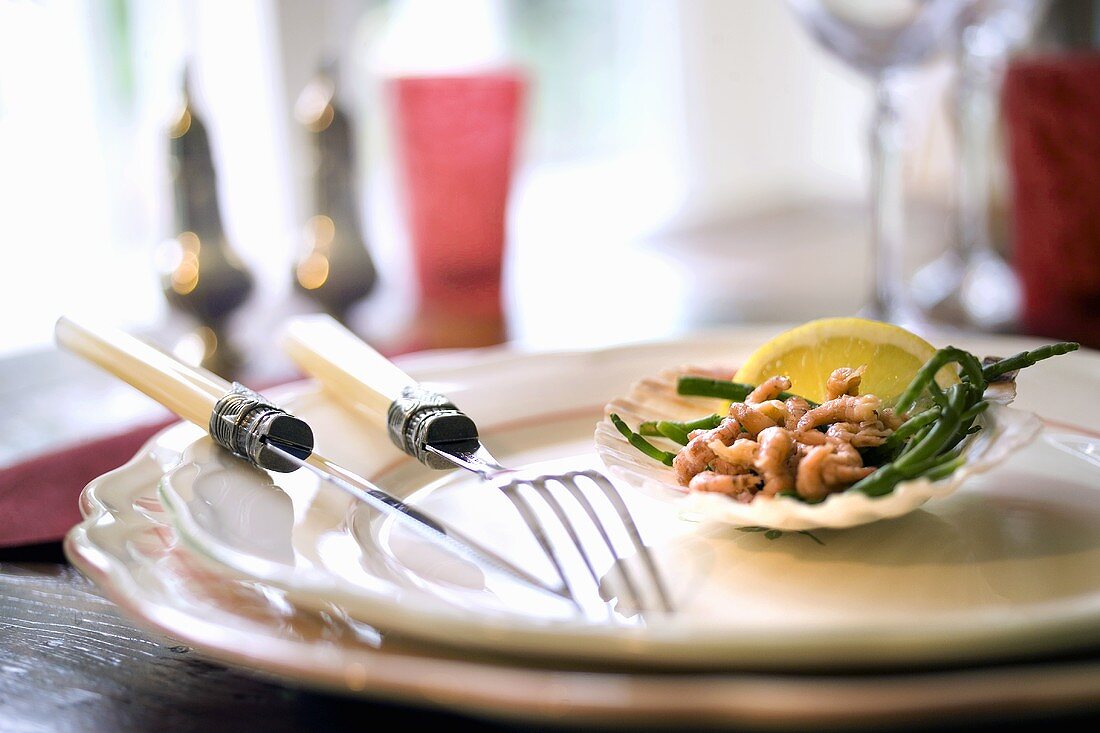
[(189, 392), (345, 365)]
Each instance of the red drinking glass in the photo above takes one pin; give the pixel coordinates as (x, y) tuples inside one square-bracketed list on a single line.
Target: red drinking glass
[(456, 140), (1052, 114)]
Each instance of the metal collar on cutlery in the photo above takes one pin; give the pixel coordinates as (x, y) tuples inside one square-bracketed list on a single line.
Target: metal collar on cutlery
[(419, 418)]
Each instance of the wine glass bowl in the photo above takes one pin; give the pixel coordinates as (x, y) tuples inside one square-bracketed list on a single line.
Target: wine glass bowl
[(883, 39), (877, 35)]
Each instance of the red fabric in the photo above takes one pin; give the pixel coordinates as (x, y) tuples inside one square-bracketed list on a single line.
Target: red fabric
[(1052, 114), (39, 497), (456, 140)]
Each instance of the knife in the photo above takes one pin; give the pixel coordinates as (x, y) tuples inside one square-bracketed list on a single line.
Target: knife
[(248, 425)]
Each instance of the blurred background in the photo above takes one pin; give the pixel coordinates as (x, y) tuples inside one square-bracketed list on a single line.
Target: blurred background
[(550, 172)]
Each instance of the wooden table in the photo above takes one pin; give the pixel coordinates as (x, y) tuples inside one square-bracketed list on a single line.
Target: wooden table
[(70, 662)]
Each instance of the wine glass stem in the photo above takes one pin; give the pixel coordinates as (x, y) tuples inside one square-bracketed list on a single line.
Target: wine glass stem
[(978, 86), (887, 203)]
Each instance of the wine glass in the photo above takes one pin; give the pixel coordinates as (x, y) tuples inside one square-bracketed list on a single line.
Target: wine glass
[(971, 283), (883, 39)]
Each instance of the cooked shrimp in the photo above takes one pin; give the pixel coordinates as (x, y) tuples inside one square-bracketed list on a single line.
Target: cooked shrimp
[(860, 435), (721, 483), (697, 454), (830, 467), (810, 438), (803, 444), (767, 445), (872, 433), (796, 408), (891, 419), (845, 408), (844, 381), (839, 475), (775, 410), (750, 420), (842, 432), (776, 445), (810, 483), (844, 466), (845, 454), (742, 452), (769, 390), (719, 465)]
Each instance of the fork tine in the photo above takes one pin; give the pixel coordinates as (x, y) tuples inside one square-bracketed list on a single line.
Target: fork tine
[(531, 520), (569, 482), (539, 485), (625, 517)]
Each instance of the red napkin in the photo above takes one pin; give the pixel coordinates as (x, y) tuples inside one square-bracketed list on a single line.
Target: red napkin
[(39, 497)]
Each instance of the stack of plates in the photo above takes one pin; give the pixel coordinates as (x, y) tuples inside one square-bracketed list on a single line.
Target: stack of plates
[(956, 608)]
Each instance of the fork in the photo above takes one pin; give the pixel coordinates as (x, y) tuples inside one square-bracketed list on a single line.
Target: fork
[(427, 426)]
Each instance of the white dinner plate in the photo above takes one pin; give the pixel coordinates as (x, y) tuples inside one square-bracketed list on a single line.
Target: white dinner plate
[(128, 547), (1008, 565)]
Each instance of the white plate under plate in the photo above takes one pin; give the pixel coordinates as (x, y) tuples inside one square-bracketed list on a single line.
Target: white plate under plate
[(1008, 565), (126, 545)]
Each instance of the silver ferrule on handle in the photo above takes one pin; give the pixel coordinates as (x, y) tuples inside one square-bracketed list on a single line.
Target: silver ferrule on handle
[(247, 424), (379, 390), (421, 417)]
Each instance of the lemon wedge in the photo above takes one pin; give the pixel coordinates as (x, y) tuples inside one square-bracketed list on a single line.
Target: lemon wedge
[(809, 353)]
